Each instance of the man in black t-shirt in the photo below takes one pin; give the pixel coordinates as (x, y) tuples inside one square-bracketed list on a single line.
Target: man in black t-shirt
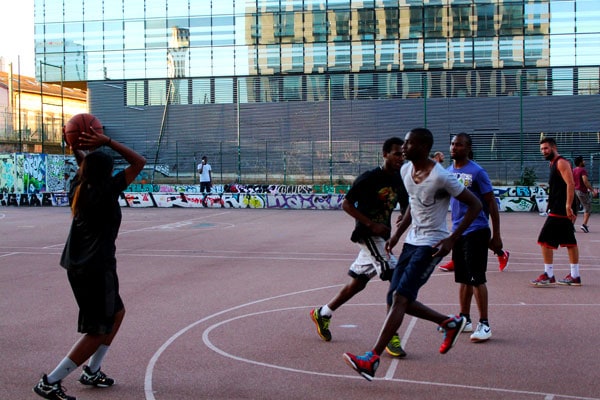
[(370, 201)]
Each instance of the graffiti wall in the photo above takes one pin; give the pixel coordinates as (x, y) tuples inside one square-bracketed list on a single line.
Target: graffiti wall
[(31, 180), (509, 198)]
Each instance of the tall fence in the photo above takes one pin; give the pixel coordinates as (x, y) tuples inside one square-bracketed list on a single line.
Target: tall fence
[(333, 137)]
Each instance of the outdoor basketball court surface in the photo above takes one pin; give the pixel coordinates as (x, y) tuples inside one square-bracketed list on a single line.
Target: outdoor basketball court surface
[(218, 305)]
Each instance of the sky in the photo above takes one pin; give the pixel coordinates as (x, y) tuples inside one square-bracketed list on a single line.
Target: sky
[(16, 37)]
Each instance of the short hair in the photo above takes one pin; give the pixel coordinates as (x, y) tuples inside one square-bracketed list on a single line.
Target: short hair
[(578, 160), (548, 140), (424, 136), (387, 145), (465, 135)]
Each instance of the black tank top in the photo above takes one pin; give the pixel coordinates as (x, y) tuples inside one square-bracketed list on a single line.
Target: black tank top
[(557, 188)]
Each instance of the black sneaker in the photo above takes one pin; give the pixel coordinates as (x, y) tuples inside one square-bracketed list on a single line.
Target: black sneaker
[(52, 391), (98, 379)]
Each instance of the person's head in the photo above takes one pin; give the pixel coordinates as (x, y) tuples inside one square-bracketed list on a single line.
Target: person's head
[(579, 161), (94, 177), (204, 159), (439, 157), (461, 147), (97, 167), (392, 153), (417, 144), (548, 148)]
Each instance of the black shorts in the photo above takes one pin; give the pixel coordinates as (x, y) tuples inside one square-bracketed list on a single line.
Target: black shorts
[(557, 231), (96, 291), (470, 256)]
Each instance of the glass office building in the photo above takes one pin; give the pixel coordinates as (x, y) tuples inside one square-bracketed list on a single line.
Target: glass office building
[(241, 70)]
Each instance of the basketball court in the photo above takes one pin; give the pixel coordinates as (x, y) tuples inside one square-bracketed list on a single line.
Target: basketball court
[(218, 305)]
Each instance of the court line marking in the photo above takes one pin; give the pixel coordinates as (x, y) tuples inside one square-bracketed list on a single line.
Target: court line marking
[(210, 345), (150, 368), (149, 392)]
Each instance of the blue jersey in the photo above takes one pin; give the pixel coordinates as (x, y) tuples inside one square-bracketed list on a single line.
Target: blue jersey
[(476, 179)]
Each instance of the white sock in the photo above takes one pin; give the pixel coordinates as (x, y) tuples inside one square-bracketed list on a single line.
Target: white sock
[(549, 268), (326, 311), (62, 370), (575, 270), (97, 357)]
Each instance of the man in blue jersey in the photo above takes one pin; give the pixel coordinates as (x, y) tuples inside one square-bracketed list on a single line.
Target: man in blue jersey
[(470, 252)]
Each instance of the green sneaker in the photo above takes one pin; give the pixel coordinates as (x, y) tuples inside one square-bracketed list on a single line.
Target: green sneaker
[(394, 348), (322, 324)]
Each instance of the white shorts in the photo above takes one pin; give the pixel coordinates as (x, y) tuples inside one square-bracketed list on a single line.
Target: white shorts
[(372, 259)]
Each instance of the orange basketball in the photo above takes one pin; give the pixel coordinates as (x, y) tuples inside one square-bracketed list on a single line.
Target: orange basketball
[(80, 123)]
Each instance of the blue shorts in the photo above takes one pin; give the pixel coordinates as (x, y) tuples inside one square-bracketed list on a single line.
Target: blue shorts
[(415, 265)]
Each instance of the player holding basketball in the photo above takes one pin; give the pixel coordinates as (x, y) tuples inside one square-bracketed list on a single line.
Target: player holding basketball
[(370, 201), (89, 258)]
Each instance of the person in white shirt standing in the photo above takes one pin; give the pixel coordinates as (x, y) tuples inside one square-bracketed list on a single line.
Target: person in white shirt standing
[(205, 172)]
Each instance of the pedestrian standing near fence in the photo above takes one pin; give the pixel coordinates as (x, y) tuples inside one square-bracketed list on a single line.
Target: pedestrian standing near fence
[(205, 172), (89, 258)]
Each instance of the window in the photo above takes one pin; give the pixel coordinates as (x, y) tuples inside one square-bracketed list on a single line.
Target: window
[(135, 93)]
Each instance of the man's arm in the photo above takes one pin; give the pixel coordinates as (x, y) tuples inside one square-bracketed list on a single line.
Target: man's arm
[(496, 240), (377, 229), (587, 183), (401, 227), (566, 173), (474, 207)]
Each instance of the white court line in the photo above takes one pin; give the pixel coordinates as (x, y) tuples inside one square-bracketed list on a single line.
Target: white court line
[(176, 223), (389, 375), (210, 345), (150, 368), (149, 393)]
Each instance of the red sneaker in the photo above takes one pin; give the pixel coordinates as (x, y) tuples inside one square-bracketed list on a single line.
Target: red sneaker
[(570, 281), (503, 260), (452, 327), (448, 267), (366, 365), (543, 281)]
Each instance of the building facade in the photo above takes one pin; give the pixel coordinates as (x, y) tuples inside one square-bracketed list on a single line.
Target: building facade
[(33, 113), (308, 89)]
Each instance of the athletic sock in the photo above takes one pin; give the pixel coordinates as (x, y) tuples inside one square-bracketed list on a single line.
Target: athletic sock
[(549, 269), (326, 311), (62, 370), (96, 358), (467, 316), (575, 270)]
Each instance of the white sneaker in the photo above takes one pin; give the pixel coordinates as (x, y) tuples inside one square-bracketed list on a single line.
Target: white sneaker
[(482, 333), (468, 327)]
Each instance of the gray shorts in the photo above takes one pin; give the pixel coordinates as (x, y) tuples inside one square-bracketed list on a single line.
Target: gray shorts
[(585, 200)]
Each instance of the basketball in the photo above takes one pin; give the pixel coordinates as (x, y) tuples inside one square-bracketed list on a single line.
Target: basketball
[(80, 123)]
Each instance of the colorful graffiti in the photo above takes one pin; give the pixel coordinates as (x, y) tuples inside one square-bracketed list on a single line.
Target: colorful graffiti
[(510, 199)]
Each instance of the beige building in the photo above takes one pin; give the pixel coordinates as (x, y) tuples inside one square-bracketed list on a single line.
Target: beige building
[(32, 114)]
